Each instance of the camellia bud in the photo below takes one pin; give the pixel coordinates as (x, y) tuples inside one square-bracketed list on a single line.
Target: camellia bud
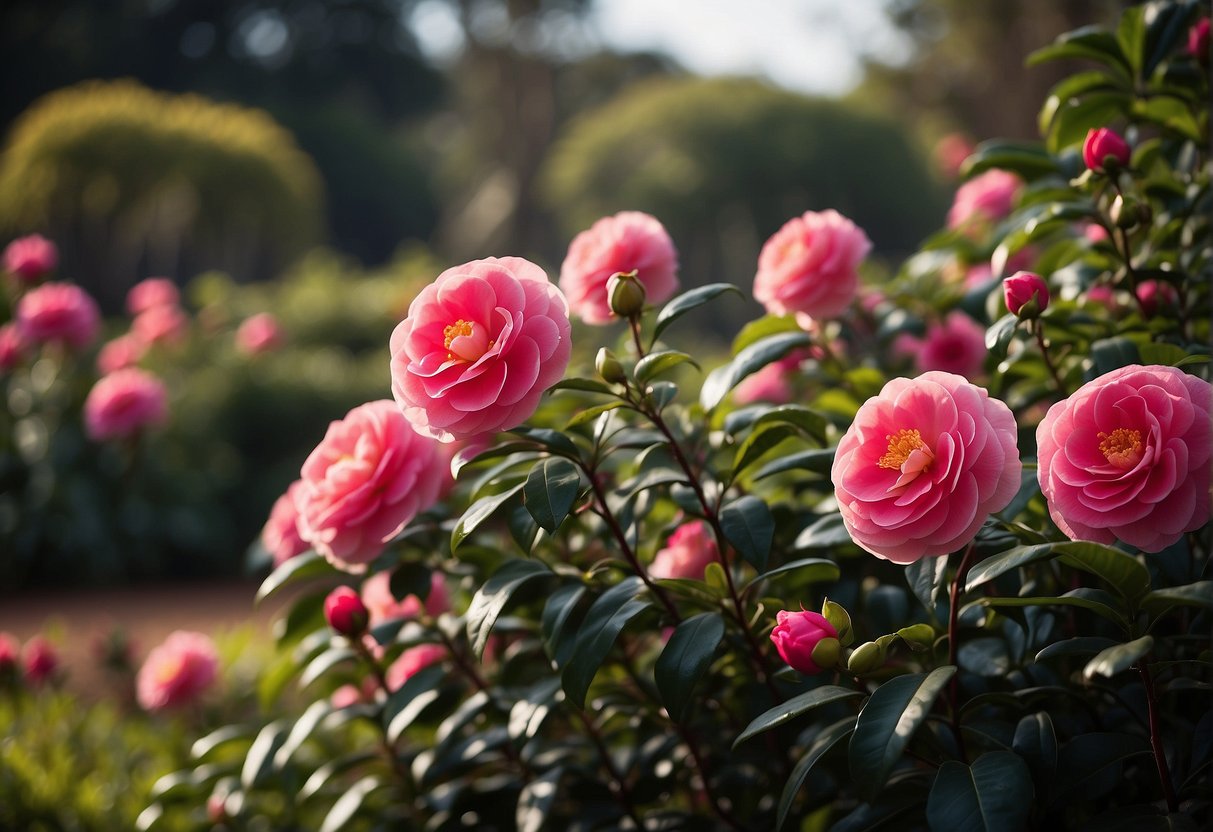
[(626, 294), (1198, 40), (841, 619), (1124, 213), (1026, 294), (345, 612), (1104, 150), (806, 640), (608, 367), (866, 657)]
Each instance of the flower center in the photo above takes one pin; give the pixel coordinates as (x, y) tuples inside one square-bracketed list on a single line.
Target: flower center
[(465, 341), (1122, 447), (901, 445)]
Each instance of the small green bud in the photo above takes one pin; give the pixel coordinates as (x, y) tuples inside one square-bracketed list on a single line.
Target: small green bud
[(609, 368), (866, 657), (841, 619), (826, 653), (1124, 212), (626, 294)]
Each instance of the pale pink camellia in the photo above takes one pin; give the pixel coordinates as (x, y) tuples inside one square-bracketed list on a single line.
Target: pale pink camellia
[(769, 384), (1094, 232), (687, 552), (259, 333), (59, 313), (150, 293), (1127, 457), (923, 464), (369, 476), (119, 353), (1102, 144), (41, 661), (1151, 294), (384, 606), (1023, 288), (628, 241), (1103, 295), (12, 347), (280, 535), (123, 404), (164, 325), (806, 640), (810, 266), (479, 347), (986, 198), (29, 258), (177, 672), (950, 153), (955, 345), (411, 662)]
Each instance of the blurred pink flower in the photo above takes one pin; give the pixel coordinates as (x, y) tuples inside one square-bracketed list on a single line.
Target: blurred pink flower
[(1104, 295), (811, 265), (41, 661), (957, 345), (951, 152), (687, 552), (124, 403), (1127, 457), (161, 325), (10, 654), (177, 672), (770, 384), (120, 353), (29, 258), (384, 606), (368, 477), (628, 241), (985, 198), (411, 662), (280, 536), (479, 347), (923, 464), (978, 274), (1094, 232), (797, 637), (259, 333), (150, 293), (1151, 294), (12, 347), (59, 312), (1198, 40)]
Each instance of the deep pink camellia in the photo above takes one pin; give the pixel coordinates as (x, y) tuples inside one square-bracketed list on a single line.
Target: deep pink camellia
[(59, 313), (1127, 457), (1151, 294), (29, 258), (41, 661), (150, 293), (120, 353), (10, 655), (806, 640), (369, 476), (479, 347), (810, 266), (124, 403), (1023, 287), (259, 333), (411, 662), (923, 464), (1102, 143), (384, 606), (955, 345), (163, 325), (280, 536), (345, 612), (1198, 40), (687, 552), (12, 347), (177, 672), (986, 198), (628, 241)]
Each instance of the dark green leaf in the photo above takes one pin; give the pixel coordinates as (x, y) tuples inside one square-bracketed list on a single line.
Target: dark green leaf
[(1091, 42), (826, 532), (466, 456), (1080, 646), (749, 526), (1028, 160), (536, 799), (1113, 660), (605, 619), (656, 363), (407, 702), (986, 656), (807, 570), (1087, 755), (805, 420), (757, 444), (764, 327), (926, 577), (887, 723), (308, 565), (491, 598), (349, 804), (1131, 34), (325, 662), (321, 776), (556, 614), (585, 385), (990, 568), (660, 393), (684, 660), (818, 461), (649, 479), (1125, 573), (218, 738), (480, 511), (687, 301), (589, 414), (1199, 594), (1075, 118), (301, 731), (1067, 600), (751, 359), (1000, 333), (553, 440), (260, 757), (824, 742), (550, 491), (1110, 354), (995, 794), (1036, 741), (1069, 88), (794, 707)]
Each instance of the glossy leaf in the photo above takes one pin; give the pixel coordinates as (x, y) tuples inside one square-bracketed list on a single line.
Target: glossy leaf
[(794, 707), (550, 491), (260, 757), (764, 327), (323, 663), (536, 799), (1029, 160), (824, 533), (349, 804), (656, 363), (589, 414), (491, 598), (685, 658), (1088, 755), (407, 702), (220, 737), (1125, 573), (606, 618), (990, 568), (301, 567), (993, 795), (926, 577), (1120, 657), (822, 745), (1199, 594), (1067, 600), (818, 460), (1080, 646), (585, 385), (1036, 741), (757, 444), (479, 512), (749, 526), (301, 731), (809, 570), (751, 359), (556, 614), (688, 301)]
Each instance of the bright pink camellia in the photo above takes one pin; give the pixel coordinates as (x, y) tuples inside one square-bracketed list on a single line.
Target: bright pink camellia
[(41, 661), (384, 606), (280, 536), (923, 464), (411, 662), (59, 312), (150, 293), (687, 552), (369, 476), (804, 639), (1023, 287), (1151, 294), (810, 266), (985, 198), (12, 347), (177, 672), (479, 347), (957, 345), (161, 325), (1102, 143), (29, 258), (1127, 457), (345, 612), (628, 241), (124, 403), (120, 353), (259, 334)]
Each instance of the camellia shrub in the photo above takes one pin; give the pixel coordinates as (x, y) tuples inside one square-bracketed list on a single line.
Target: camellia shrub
[(943, 584)]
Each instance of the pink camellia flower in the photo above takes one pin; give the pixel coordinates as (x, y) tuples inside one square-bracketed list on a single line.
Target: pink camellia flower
[(123, 403), (770, 384), (923, 464), (986, 198), (259, 334), (1101, 144), (628, 241), (177, 672), (807, 641), (161, 325), (1127, 457), (957, 345), (687, 552), (150, 293), (10, 654), (345, 612), (384, 606), (1151, 294), (1094, 232), (29, 258), (978, 275), (12, 347), (951, 152), (41, 661), (120, 353), (412, 661), (810, 266), (1023, 288), (60, 313), (369, 476), (479, 347), (1104, 295), (280, 536), (1198, 40)]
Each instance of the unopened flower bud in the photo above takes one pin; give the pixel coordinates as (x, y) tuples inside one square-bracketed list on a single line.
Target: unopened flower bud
[(1104, 151), (1026, 294), (797, 635), (866, 657), (1198, 41), (626, 294), (1124, 213), (841, 619), (609, 368), (345, 612)]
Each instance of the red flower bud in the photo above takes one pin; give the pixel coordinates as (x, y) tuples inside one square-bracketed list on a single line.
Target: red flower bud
[(345, 612), (1026, 294), (41, 660), (1102, 144), (806, 640), (1198, 40)]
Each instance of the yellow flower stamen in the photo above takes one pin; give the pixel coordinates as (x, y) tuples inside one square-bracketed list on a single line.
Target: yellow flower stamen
[(901, 445), (455, 330), (1122, 447)]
